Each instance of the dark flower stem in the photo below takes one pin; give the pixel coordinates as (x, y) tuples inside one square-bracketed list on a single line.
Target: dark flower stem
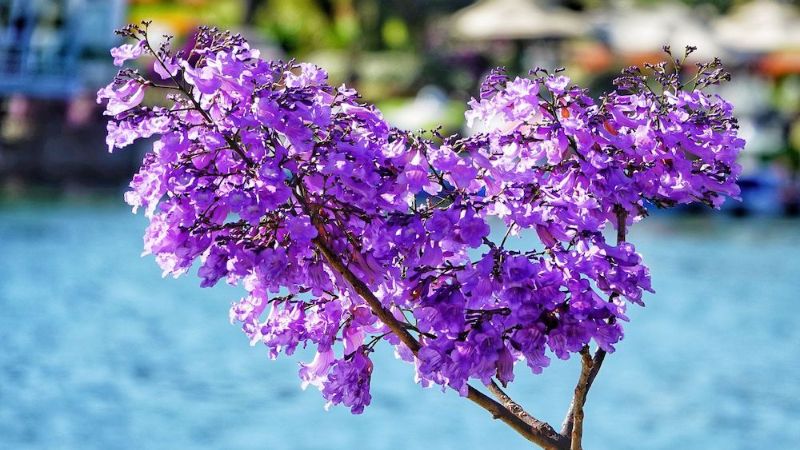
[(195, 103)]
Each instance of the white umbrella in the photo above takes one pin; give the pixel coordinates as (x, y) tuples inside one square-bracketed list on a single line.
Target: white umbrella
[(760, 26), (514, 19), (647, 29)]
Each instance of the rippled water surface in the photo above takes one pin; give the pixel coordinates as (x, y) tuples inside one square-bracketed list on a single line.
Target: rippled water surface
[(97, 351)]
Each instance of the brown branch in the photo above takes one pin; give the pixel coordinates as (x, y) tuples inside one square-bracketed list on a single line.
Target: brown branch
[(584, 384), (622, 225), (597, 362), (533, 430), (366, 293), (514, 407), (581, 389), (533, 434), (542, 434)]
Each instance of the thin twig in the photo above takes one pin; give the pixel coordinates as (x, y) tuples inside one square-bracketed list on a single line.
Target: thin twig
[(508, 233)]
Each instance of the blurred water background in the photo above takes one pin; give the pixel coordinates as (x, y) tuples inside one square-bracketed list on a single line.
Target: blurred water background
[(97, 351)]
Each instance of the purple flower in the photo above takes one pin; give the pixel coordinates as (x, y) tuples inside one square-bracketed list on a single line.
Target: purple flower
[(505, 366), (300, 229), (557, 83), (214, 266), (305, 197), (494, 82), (518, 271), (203, 78), (166, 68), (273, 266), (127, 52), (121, 96), (440, 224), (316, 372), (472, 230), (348, 382)]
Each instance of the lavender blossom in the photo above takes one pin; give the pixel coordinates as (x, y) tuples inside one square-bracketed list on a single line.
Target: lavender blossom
[(307, 198)]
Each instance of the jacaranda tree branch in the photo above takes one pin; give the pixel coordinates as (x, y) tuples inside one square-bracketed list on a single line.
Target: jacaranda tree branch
[(334, 222)]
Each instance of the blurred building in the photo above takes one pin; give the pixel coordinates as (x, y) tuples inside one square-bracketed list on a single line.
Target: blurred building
[(53, 57), (50, 48), (418, 60)]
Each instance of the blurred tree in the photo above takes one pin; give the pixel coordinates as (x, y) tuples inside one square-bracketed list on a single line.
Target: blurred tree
[(251, 6), (181, 17), (302, 26)]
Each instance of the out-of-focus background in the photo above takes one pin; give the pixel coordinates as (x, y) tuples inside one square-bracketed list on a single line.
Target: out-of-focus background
[(97, 351)]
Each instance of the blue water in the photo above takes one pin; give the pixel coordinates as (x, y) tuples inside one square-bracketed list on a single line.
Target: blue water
[(97, 351)]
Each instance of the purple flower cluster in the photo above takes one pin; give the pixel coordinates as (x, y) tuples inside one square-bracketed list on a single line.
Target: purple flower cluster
[(259, 166)]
